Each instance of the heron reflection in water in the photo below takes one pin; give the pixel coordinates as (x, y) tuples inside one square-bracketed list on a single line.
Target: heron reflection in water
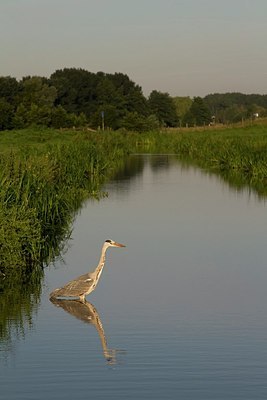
[(85, 284), (86, 312)]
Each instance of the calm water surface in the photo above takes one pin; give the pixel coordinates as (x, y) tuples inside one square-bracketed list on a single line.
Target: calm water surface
[(180, 313)]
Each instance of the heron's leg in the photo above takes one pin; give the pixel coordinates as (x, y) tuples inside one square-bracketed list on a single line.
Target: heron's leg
[(82, 298)]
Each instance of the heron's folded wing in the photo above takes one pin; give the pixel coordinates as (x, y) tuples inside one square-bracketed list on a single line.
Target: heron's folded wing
[(78, 286)]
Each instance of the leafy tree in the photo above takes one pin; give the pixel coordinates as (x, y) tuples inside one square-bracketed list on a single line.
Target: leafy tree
[(107, 115), (82, 91), (232, 107), (76, 90), (235, 113), (133, 96), (19, 119), (198, 114), (6, 114), (79, 120), (182, 105), (136, 102), (9, 89), (139, 123), (35, 102), (106, 93), (111, 102), (33, 115), (59, 117), (163, 106), (75, 97), (122, 82), (38, 115), (34, 90)]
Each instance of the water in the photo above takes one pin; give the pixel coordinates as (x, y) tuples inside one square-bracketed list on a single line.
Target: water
[(179, 313)]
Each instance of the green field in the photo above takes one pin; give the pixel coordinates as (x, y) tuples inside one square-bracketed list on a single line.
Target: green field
[(45, 175)]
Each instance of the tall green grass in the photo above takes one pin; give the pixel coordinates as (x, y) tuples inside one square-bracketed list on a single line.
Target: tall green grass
[(41, 187), (46, 174), (234, 152), (44, 177)]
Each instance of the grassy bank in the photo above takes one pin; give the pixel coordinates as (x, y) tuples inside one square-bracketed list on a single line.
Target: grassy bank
[(238, 153), (46, 174), (44, 177)]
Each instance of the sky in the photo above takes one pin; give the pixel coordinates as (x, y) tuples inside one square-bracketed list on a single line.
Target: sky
[(183, 47)]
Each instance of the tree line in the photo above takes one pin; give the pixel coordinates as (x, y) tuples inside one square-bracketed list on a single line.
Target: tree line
[(73, 97)]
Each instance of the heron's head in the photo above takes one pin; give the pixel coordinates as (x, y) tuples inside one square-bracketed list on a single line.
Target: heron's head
[(111, 243)]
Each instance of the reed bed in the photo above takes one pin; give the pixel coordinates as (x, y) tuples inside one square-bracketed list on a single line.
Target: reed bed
[(239, 152), (46, 174), (41, 187)]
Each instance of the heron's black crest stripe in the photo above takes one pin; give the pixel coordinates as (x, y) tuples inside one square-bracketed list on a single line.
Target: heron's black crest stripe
[(109, 241)]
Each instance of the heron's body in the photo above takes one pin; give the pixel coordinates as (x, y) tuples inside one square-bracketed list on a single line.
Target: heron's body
[(85, 284)]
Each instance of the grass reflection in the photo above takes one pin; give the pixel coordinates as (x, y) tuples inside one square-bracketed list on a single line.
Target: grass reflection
[(19, 300)]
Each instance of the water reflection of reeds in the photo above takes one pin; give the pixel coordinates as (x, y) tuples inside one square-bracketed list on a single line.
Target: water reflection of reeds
[(19, 301)]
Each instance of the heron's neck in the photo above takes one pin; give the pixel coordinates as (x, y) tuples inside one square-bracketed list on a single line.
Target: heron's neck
[(101, 263)]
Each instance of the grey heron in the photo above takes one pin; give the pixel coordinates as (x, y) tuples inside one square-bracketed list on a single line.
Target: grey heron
[(85, 284)]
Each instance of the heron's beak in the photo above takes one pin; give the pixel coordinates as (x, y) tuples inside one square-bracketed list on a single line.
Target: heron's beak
[(118, 244)]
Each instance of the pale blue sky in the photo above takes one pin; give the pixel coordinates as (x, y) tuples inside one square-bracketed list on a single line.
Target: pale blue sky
[(184, 47)]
